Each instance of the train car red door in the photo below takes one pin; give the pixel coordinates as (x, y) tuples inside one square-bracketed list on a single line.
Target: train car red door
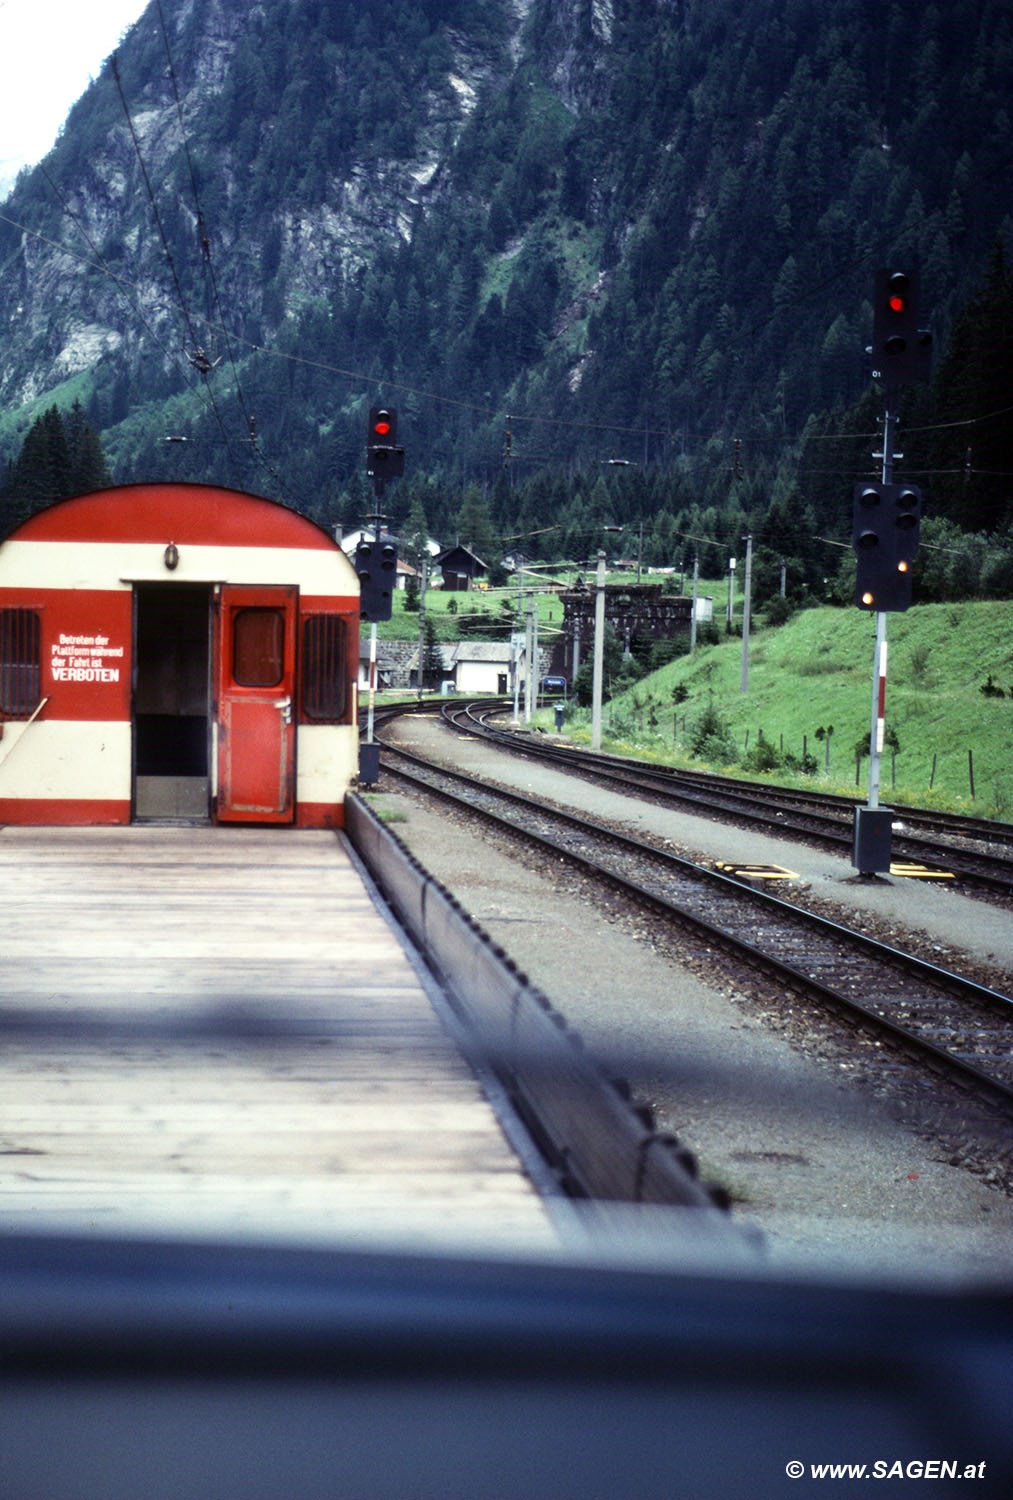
[(256, 703)]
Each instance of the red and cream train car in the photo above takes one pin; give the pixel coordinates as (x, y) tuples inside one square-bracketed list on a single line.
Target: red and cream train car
[(176, 651)]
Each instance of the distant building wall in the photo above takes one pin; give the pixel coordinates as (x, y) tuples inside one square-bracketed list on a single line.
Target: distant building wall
[(472, 667), (636, 611)]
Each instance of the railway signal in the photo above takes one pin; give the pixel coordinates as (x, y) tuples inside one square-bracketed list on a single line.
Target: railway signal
[(384, 459), (901, 351), (885, 538), (887, 519), (871, 540), (907, 521), (376, 565)]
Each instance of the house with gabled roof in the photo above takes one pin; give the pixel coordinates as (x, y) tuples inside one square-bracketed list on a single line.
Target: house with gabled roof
[(460, 568)]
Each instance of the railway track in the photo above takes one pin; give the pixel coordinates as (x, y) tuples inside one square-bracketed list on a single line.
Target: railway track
[(975, 852), (936, 1019)]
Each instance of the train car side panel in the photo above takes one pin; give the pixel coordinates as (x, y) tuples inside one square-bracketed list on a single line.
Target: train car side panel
[(119, 697)]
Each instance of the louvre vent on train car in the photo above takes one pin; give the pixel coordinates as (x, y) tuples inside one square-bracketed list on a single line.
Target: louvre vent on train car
[(20, 673), (324, 668)]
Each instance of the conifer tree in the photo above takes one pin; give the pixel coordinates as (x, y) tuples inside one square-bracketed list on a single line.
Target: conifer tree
[(59, 457), (88, 467), (974, 395)]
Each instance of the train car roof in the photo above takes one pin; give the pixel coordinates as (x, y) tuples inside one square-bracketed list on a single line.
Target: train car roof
[(194, 514)]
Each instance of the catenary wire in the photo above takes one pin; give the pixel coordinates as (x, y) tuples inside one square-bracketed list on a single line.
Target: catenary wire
[(165, 247)]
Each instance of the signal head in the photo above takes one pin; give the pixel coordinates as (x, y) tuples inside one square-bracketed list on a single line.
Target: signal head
[(898, 285), (899, 354), (384, 459), (909, 499), (382, 426), (886, 523)]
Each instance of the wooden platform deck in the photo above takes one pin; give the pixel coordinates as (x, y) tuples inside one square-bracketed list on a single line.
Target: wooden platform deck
[(216, 1029)]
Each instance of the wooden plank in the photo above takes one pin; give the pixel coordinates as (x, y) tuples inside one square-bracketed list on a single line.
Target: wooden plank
[(223, 1017)]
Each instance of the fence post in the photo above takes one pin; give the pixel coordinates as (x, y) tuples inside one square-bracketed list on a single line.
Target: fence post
[(932, 778), (970, 771)]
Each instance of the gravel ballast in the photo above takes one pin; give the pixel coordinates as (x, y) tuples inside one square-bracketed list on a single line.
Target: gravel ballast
[(834, 1163)]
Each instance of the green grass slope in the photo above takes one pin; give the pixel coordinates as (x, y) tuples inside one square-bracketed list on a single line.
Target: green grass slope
[(814, 675)]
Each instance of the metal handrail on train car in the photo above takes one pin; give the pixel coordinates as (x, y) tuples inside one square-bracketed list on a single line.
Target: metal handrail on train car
[(5, 755)]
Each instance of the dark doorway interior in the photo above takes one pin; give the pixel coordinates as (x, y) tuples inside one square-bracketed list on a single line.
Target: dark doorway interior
[(171, 698)]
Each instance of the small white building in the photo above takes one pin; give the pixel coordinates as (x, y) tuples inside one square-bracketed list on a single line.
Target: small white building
[(479, 666), (471, 667), (468, 667)]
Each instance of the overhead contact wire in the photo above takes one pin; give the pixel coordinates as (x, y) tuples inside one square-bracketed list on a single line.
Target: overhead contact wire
[(165, 243), (205, 242)]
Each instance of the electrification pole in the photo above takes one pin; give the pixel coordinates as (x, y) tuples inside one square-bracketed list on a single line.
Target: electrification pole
[(529, 651), (422, 617), (599, 652), (744, 682)]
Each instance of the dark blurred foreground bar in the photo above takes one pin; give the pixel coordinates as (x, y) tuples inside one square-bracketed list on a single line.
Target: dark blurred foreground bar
[(156, 1369)]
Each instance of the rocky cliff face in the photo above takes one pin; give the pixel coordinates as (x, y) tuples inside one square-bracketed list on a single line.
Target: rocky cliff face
[(639, 214), (111, 258)]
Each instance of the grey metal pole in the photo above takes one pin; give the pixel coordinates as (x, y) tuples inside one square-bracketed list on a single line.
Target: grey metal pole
[(536, 665), (516, 664), (520, 627), (744, 684), (599, 652), (529, 653), (422, 618)]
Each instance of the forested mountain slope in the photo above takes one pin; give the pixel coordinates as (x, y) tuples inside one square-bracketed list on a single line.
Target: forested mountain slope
[(556, 231)]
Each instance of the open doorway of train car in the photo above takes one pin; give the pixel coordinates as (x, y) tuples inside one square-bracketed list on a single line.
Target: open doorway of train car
[(172, 694)]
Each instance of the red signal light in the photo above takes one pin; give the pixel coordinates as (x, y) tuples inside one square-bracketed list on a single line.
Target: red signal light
[(384, 459), (898, 284)]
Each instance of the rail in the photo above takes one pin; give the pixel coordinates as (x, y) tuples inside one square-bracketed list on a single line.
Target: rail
[(787, 812), (897, 982)]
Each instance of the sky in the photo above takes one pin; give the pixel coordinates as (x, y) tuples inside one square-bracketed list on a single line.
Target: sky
[(50, 50)]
